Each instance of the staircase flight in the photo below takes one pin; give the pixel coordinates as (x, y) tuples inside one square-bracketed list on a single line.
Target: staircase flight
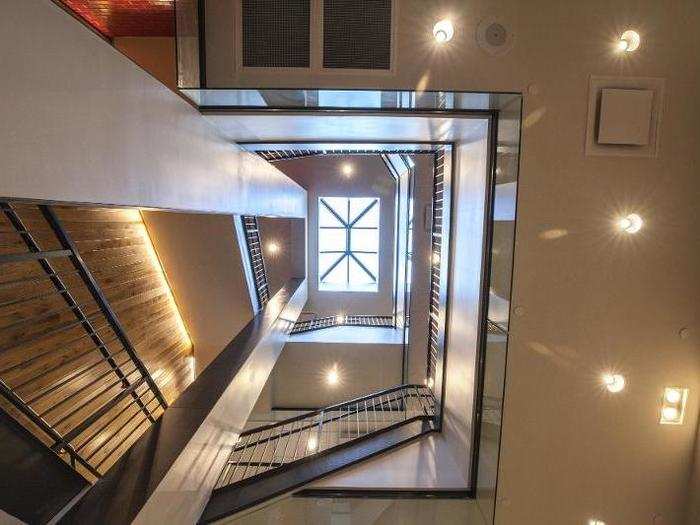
[(274, 459)]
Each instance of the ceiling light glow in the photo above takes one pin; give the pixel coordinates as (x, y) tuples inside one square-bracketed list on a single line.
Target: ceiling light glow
[(347, 169), (312, 443), (339, 319), (614, 382), (673, 395), (273, 248), (443, 31), (332, 376), (629, 41), (632, 223)]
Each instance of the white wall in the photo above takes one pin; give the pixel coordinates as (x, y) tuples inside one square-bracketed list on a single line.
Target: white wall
[(321, 177), (82, 123), (422, 260)]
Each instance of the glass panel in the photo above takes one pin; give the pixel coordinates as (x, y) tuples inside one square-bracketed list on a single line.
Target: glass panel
[(370, 219), (335, 98), (371, 262), (492, 403), (332, 240), (358, 277), (326, 218), (359, 205), (339, 274), (364, 240), (325, 261), (361, 511), (338, 204)]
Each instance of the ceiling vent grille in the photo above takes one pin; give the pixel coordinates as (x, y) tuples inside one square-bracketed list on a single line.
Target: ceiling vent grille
[(276, 33), (357, 34)]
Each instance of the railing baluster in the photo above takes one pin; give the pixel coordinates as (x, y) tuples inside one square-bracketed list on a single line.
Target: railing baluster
[(232, 472), (289, 439), (320, 430), (323, 429)]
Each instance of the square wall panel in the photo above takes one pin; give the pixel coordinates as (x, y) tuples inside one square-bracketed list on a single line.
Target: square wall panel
[(624, 116)]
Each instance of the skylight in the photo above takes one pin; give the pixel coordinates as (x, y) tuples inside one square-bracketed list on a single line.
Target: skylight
[(348, 244)]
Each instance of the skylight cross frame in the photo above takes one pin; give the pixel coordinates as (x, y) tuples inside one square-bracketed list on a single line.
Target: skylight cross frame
[(349, 225)]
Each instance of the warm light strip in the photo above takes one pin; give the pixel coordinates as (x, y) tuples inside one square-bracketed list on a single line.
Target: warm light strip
[(153, 255)]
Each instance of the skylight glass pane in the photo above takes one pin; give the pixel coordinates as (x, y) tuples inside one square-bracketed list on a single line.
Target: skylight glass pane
[(360, 204), (358, 277), (353, 267), (326, 218), (364, 240), (369, 261), (331, 240), (338, 204), (370, 219), (325, 261), (339, 274)]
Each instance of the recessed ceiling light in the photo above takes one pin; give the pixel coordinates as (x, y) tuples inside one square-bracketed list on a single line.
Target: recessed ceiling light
[(614, 382), (596, 522), (273, 248), (632, 223), (673, 395), (669, 413), (332, 376), (339, 319), (673, 405), (347, 169), (629, 41), (443, 31)]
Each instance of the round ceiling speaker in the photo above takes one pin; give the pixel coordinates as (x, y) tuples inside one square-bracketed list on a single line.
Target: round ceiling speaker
[(493, 36)]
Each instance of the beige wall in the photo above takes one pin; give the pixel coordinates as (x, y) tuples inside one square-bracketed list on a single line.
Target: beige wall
[(82, 123), (302, 511), (289, 260), (321, 177), (154, 54), (202, 261), (590, 299), (298, 379)]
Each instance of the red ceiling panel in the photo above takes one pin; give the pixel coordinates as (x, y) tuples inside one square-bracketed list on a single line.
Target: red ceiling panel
[(114, 18)]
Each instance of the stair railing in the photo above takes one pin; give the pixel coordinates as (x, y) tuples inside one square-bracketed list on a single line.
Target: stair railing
[(68, 371), (270, 447)]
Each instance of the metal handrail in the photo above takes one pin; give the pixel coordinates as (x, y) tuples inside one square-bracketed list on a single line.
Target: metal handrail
[(113, 379), (319, 323), (256, 259), (269, 447)]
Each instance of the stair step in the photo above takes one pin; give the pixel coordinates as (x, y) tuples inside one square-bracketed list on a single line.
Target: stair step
[(231, 499)]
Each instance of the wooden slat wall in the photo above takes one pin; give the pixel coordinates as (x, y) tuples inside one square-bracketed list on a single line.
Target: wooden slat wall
[(44, 351)]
